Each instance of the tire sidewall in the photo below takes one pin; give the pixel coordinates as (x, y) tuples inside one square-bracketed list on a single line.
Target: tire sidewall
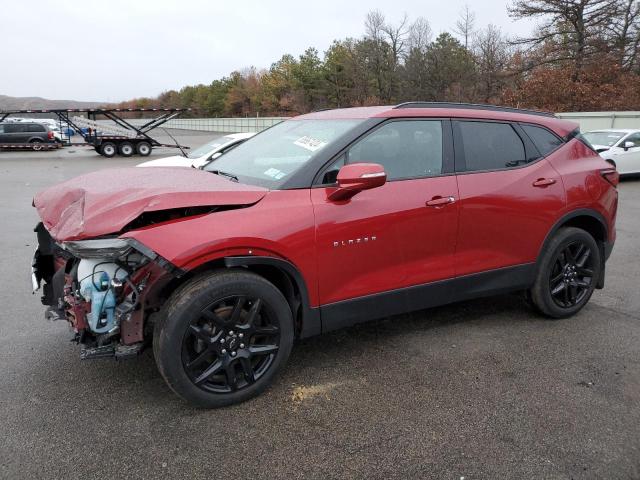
[(187, 303)]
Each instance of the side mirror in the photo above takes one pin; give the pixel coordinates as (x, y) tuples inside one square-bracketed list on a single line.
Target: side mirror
[(628, 145), (356, 177)]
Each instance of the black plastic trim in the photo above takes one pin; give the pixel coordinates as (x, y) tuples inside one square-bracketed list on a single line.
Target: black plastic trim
[(350, 312), (310, 316)]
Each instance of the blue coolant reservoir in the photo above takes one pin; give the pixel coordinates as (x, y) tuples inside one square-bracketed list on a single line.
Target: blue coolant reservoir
[(95, 277)]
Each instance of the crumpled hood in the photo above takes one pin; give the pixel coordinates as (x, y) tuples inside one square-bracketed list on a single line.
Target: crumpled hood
[(105, 201)]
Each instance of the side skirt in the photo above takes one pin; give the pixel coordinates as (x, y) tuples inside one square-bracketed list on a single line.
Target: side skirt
[(371, 307)]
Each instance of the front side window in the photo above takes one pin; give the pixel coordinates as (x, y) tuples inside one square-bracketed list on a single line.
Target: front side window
[(270, 158), (490, 146), (406, 149), (634, 138)]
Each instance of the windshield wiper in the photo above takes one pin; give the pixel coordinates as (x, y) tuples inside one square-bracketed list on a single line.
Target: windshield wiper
[(225, 174)]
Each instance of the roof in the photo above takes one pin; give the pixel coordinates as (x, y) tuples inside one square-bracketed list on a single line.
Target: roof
[(439, 110)]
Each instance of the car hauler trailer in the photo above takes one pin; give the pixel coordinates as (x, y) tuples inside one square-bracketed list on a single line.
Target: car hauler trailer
[(120, 137)]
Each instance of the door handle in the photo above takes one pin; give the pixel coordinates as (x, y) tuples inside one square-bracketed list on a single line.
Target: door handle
[(544, 182), (439, 201)]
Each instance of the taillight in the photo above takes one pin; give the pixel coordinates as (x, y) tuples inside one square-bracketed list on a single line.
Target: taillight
[(50, 135), (611, 175)]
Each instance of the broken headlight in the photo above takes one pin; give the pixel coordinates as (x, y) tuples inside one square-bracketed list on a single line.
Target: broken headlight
[(105, 248)]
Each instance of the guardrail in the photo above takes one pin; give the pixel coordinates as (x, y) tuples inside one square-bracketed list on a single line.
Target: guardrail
[(599, 120)]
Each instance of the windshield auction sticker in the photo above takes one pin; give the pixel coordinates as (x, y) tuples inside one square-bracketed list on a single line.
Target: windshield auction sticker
[(311, 144)]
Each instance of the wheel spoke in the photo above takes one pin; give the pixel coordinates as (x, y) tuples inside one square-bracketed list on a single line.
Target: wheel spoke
[(262, 349), (237, 310), (581, 283), (558, 288), (583, 259), (253, 313), (266, 330), (213, 318), (230, 372), (199, 359), (200, 333), (212, 370), (557, 278), (247, 369), (573, 293), (584, 272), (569, 255)]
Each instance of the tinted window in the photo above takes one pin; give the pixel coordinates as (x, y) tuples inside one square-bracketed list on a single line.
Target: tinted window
[(544, 140), (490, 146), (34, 127), (12, 128), (1, 128), (406, 149)]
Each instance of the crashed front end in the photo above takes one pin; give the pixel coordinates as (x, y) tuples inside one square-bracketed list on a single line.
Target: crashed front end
[(106, 288)]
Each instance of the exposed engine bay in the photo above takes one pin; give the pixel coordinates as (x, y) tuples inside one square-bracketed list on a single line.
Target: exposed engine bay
[(99, 287)]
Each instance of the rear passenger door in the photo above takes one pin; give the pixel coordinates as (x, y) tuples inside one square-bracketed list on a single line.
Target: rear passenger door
[(509, 194)]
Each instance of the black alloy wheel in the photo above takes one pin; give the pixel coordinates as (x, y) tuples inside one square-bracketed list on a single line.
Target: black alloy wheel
[(222, 337), (230, 345), (567, 273), (572, 274)]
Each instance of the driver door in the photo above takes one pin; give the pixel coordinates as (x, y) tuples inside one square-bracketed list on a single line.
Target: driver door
[(372, 247)]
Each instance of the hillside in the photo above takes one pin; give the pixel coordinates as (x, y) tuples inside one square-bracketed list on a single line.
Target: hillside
[(25, 103)]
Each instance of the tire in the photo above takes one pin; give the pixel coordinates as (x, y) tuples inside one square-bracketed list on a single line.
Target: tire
[(126, 149), (36, 144), (214, 349), (143, 149), (568, 272), (108, 149)]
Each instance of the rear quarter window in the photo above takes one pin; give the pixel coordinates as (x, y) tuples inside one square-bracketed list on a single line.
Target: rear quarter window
[(545, 141)]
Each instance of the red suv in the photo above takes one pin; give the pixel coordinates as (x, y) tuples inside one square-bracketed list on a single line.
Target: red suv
[(323, 221)]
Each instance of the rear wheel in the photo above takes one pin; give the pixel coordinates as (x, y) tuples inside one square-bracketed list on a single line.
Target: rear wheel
[(223, 337), (36, 144), (568, 273), (108, 149), (126, 149), (143, 149)]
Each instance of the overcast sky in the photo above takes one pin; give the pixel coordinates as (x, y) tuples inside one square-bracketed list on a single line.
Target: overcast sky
[(113, 50)]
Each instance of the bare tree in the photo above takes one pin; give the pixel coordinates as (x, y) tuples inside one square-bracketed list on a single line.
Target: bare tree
[(420, 35), (624, 34), (569, 28), (465, 24), (492, 53)]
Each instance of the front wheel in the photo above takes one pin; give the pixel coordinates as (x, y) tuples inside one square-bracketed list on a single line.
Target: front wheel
[(567, 274), (222, 338)]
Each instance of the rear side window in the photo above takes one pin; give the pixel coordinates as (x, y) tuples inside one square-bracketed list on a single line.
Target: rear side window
[(489, 146), (545, 141), (34, 127)]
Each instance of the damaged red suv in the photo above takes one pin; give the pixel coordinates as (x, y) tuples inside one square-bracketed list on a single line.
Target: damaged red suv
[(320, 222)]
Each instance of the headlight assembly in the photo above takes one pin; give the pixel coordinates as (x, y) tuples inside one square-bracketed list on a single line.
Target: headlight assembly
[(107, 248)]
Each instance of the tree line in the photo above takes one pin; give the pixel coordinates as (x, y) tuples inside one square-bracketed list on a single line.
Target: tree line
[(583, 56)]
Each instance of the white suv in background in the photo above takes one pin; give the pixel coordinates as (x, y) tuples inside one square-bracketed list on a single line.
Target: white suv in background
[(619, 146)]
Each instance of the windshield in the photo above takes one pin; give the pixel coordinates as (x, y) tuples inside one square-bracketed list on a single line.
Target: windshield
[(603, 138), (270, 158), (208, 147)]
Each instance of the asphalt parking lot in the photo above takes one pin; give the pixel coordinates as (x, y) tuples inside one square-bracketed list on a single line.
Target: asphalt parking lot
[(482, 389)]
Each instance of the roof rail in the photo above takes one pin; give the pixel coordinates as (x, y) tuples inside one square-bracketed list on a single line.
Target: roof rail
[(472, 106)]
